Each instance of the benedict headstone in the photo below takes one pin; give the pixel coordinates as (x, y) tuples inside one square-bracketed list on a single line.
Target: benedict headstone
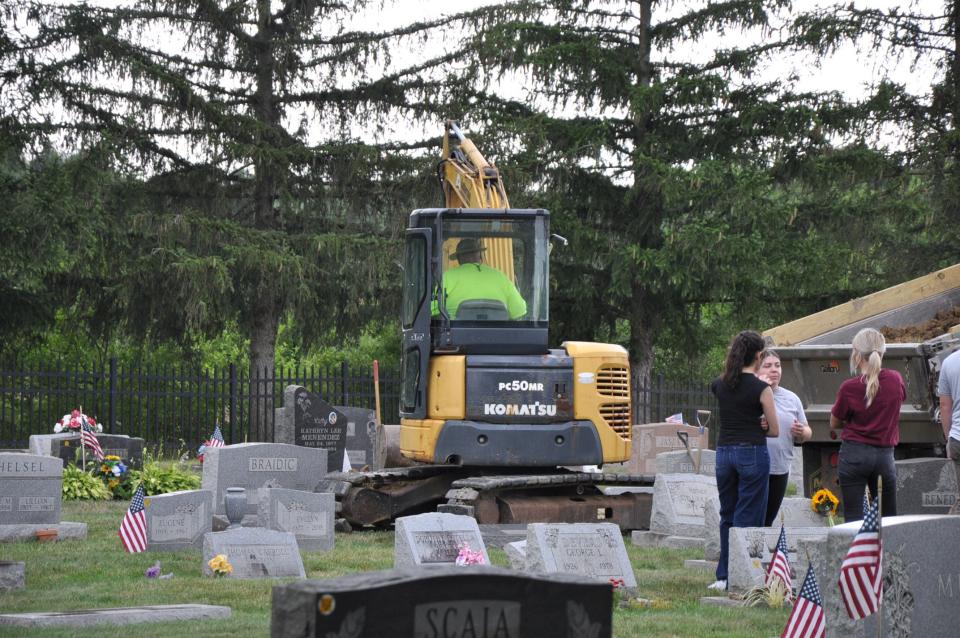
[(30, 489), (366, 443), (594, 550), (926, 486), (480, 602), (258, 466), (653, 438), (435, 538), (307, 515), (254, 553), (178, 520), (678, 504)]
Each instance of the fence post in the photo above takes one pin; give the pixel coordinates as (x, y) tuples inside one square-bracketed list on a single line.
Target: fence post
[(112, 410), (233, 401), (344, 395)]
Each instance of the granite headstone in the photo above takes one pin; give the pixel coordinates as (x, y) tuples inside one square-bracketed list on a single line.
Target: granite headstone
[(678, 462), (653, 438), (254, 553), (594, 550), (30, 489), (178, 520), (795, 510), (307, 420), (479, 602), (366, 442), (678, 504), (926, 486), (751, 549), (435, 538), (129, 449), (307, 515)]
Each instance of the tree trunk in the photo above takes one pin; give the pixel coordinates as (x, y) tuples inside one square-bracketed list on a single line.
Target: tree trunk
[(263, 343)]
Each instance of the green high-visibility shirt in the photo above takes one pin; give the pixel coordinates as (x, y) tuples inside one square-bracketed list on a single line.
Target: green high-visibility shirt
[(467, 282)]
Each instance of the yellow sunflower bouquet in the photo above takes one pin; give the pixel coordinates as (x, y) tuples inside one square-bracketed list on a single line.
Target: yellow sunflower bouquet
[(825, 503), (220, 565)]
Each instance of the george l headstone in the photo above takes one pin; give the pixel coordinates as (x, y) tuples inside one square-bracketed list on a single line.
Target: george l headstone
[(309, 421), (254, 553), (178, 520), (926, 486), (257, 466), (678, 504), (594, 550), (653, 438), (751, 549), (435, 538), (796, 512), (307, 515), (30, 489), (921, 575), (366, 443), (679, 462), (479, 602)]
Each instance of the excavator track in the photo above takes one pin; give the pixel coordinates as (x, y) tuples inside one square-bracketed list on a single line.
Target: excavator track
[(377, 498)]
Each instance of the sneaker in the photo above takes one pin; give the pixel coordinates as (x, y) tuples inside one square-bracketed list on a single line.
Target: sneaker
[(720, 585)]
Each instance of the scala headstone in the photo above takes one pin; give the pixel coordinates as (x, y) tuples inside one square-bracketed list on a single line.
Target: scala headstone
[(178, 520), (257, 466), (307, 515), (751, 550), (679, 462), (254, 552), (366, 444), (678, 504), (30, 489), (435, 538), (479, 602), (653, 438), (594, 550), (926, 486)]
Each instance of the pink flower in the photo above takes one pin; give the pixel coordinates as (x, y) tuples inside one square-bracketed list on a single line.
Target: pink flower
[(467, 556), (75, 414)]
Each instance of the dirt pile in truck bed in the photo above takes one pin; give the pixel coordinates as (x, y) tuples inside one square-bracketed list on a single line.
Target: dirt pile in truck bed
[(940, 324)]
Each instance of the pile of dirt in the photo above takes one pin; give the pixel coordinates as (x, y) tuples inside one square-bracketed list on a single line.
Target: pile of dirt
[(940, 324)]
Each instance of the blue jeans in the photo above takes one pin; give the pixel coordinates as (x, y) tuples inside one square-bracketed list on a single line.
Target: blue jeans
[(743, 479)]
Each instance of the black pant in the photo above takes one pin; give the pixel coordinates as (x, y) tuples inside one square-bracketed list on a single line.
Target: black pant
[(860, 465), (778, 488)]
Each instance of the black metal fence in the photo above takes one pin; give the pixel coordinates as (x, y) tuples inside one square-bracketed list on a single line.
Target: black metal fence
[(176, 407)]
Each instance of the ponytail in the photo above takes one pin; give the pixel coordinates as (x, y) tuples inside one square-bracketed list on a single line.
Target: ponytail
[(741, 353), (868, 346)]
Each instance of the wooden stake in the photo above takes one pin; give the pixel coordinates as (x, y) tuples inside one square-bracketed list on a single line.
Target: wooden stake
[(376, 387)]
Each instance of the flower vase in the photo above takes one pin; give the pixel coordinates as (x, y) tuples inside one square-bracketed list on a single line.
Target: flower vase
[(235, 503)]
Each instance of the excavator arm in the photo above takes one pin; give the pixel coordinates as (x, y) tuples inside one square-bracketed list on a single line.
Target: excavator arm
[(467, 179)]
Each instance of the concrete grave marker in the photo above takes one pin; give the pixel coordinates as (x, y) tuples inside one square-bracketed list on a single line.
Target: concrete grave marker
[(653, 438), (257, 466), (751, 549), (594, 550), (678, 504), (517, 554), (178, 520), (926, 486), (307, 515), (795, 510), (366, 442), (435, 539), (254, 553), (114, 616), (678, 462), (30, 489), (477, 602), (129, 449)]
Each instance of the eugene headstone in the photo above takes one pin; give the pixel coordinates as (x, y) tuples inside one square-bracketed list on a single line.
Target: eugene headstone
[(178, 520), (594, 550), (30, 489)]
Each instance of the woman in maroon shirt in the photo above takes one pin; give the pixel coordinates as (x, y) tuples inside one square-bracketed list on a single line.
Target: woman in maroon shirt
[(867, 409)]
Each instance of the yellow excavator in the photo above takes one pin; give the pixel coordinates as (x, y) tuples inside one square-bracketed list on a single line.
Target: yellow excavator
[(493, 413)]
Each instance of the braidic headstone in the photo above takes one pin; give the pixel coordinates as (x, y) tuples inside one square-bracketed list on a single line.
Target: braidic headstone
[(679, 462), (129, 449), (309, 421), (795, 512), (751, 549), (178, 520), (594, 550), (366, 443), (653, 438), (475, 602), (257, 466), (307, 515), (254, 553), (435, 538), (678, 504), (926, 486), (30, 489), (921, 574)]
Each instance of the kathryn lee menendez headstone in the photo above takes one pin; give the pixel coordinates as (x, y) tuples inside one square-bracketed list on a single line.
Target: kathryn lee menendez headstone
[(595, 550), (479, 602), (309, 421), (178, 520), (435, 538), (30, 489)]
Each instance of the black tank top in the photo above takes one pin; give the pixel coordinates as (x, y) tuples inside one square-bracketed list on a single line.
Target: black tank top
[(740, 411)]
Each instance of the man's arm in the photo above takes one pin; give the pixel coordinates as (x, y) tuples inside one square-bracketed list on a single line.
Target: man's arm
[(946, 414)]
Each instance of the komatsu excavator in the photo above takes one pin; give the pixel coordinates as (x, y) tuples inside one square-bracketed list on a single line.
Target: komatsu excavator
[(490, 411)]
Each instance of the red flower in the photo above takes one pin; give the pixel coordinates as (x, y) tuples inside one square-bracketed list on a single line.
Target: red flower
[(75, 414)]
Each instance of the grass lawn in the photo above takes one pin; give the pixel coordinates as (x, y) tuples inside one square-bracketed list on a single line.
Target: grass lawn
[(96, 572)]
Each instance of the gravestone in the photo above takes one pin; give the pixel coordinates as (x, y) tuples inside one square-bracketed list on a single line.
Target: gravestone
[(129, 449), (751, 549), (30, 489), (926, 486), (307, 515), (594, 550), (653, 438), (921, 573), (435, 538), (517, 554), (115, 616), (479, 602), (309, 421), (796, 512), (678, 504), (43, 443), (678, 462), (254, 553), (796, 472), (366, 443), (178, 520), (257, 466)]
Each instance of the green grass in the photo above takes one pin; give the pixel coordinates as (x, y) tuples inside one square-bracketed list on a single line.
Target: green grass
[(96, 572)]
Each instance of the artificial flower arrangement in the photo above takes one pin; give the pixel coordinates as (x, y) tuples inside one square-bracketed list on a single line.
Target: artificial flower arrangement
[(467, 556), (825, 503), (220, 565), (114, 475), (73, 421)]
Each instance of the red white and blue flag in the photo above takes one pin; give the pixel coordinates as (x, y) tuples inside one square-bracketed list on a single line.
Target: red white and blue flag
[(780, 564), (807, 618), (861, 574), (133, 528), (88, 439), (215, 440)]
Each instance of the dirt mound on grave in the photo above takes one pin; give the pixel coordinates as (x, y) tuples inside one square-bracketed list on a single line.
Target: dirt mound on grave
[(940, 324)]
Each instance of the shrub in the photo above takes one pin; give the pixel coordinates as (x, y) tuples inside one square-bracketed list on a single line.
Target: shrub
[(78, 484), (162, 477)]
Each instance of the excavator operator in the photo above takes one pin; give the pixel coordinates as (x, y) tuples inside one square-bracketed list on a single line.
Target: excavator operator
[(473, 284)]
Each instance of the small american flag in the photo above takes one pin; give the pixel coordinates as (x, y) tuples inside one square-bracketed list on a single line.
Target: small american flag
[(861, 574), (780, 564), (89, 439), (133, 528), (807, 618), (215, 440)]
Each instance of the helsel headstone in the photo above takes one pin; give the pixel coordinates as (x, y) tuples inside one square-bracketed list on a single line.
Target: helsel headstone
[(30, 489)]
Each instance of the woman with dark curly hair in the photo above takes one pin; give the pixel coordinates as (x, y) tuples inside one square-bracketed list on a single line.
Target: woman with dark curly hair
[(743, 462)]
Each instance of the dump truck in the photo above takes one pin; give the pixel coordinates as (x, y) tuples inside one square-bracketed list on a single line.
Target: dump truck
[(815, 354)]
